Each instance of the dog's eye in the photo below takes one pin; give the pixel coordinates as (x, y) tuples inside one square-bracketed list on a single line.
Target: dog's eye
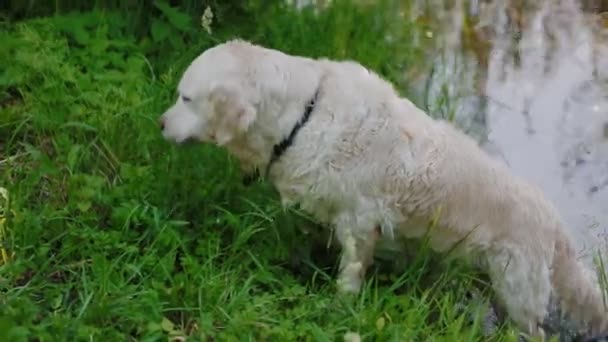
[(186, 99)]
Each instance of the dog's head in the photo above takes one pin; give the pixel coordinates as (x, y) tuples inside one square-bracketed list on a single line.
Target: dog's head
[(216, 101)]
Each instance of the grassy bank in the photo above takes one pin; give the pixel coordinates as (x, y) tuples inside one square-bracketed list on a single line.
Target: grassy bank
[(112, 234)]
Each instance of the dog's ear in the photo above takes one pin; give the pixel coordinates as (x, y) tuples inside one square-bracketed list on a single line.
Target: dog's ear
[(233, 112)]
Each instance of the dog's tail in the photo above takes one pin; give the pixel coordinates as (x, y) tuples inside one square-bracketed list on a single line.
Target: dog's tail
[(580, 297)]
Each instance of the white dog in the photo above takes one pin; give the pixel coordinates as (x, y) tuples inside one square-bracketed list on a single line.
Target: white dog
[(336, 138)]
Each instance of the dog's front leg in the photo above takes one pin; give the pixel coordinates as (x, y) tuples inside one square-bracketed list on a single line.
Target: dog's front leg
[(357, 256)]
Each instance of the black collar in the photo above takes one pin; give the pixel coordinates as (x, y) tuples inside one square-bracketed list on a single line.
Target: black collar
[(281, 147)]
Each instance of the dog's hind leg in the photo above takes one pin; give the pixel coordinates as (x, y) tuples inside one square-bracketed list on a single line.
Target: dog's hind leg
[(357, 256), (523, 287)]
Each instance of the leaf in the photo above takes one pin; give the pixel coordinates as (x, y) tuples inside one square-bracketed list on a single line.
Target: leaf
[(178, 223), (178, 19), (83, 206), (79, 125), (81, 35), (73, 156), (167, 325), (86, 193), (99, 45), (4, 193), (159, 30), (380, 323), (56, 304)]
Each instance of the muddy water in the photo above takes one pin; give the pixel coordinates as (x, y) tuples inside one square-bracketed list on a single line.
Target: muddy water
[(539, 101)]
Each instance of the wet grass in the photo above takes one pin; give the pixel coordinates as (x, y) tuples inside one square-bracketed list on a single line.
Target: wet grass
[(110, 233)]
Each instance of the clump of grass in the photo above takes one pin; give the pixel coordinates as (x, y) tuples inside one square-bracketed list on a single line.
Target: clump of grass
[(117, 235)]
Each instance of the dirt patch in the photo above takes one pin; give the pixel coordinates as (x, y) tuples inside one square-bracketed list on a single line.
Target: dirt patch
[(11, 96)]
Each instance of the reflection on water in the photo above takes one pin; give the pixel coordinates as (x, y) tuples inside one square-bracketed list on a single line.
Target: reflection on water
[(536, 98)]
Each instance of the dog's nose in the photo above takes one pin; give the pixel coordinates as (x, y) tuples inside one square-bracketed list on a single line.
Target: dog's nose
[(161, 123)]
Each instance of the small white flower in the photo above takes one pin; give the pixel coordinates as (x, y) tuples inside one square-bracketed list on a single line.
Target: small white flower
[(207, 19)]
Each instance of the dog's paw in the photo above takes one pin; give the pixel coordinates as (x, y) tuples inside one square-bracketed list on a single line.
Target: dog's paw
[(350, 280)]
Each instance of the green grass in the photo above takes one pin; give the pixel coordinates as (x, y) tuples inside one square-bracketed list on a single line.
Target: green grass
[(115, 235)]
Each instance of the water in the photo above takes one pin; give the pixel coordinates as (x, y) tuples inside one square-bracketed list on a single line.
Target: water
[(543, 110)]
